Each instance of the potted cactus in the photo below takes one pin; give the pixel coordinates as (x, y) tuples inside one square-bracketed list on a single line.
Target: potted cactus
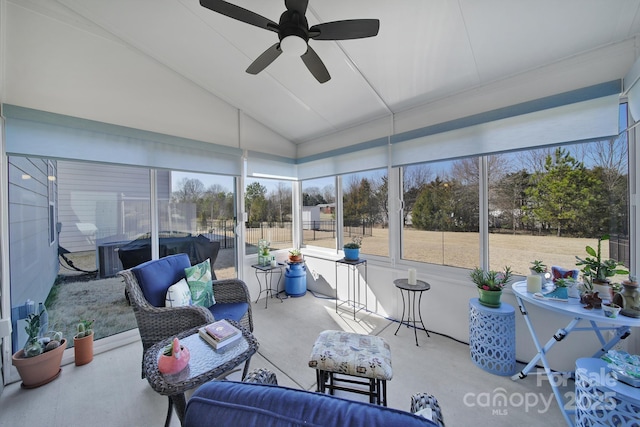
[(83, 342), (38, 363)]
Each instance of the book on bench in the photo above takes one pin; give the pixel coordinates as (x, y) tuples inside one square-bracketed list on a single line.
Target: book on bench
[(220, 334)]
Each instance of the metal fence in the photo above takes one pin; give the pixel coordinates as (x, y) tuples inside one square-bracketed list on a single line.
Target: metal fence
[(619, 248)]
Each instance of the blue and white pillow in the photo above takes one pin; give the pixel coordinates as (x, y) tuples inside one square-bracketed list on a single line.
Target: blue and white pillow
[(178, 295)]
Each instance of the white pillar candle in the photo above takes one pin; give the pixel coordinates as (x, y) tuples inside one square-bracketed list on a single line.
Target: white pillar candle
[(534, 284), (412, 276)]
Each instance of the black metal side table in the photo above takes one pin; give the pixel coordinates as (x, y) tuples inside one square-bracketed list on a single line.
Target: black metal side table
[(418, 288), (267, 271), (353, 282)]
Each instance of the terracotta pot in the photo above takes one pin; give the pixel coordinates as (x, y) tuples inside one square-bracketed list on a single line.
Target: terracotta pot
[(83, 350), (39, 370), (295, 258)]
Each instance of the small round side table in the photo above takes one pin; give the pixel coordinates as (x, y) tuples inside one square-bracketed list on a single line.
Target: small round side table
[(418, 288), (492, 337)]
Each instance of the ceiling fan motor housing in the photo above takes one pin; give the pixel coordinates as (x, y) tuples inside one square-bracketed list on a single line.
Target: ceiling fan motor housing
[(293, 24)]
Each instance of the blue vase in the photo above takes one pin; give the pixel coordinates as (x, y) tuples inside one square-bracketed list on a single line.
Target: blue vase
[(351, 254)]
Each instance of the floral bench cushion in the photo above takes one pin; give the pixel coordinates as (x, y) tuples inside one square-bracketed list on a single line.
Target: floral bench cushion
[(366, 356)]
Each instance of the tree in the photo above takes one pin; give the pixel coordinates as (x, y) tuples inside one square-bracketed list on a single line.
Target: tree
[(312, 196), (414, 180), (255, 202), (430, 208), (362, 199), (189, 190), (280, 203), (562, 193)]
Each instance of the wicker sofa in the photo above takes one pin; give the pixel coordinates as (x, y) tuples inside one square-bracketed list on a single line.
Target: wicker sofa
[(146, 286), (259, 401)]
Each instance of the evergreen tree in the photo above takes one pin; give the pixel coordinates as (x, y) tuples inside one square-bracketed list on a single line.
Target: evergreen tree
[(562, 193)]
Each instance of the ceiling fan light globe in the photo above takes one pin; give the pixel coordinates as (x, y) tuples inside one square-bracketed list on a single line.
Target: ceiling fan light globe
[(293, 46)]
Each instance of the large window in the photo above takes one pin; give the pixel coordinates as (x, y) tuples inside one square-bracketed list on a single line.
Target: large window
[(365, 210), (200, 205), (269, 214), (543, 204), (99, 219), (319, 212), (440, 214), (548, 204)]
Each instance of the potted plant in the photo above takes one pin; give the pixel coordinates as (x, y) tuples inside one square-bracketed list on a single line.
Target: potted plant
[(263, 252), (537, 267), (570, 284), (352, 249), (83, 343), (38, 363), (295, 255), (490, 284), (596, 271)]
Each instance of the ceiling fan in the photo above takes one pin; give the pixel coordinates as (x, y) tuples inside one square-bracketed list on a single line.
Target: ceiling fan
[(294, 33)]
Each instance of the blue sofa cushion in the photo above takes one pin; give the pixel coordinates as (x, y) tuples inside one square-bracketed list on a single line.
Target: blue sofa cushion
[(226, 403), (233, 311), (155, 276)]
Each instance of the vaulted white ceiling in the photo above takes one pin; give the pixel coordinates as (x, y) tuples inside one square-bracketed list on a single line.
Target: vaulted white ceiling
[(430, 59)]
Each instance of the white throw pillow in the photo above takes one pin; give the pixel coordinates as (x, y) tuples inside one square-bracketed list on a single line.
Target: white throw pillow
[(178, 295)]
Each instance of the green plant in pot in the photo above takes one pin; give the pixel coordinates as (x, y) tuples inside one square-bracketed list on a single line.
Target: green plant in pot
[(38, 363), (352, 249), (596, 271), (490, 284), (83, 342), (295, 255), (538, 267)]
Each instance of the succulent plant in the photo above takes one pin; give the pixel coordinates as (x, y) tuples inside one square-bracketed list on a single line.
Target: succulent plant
[(84, 328)]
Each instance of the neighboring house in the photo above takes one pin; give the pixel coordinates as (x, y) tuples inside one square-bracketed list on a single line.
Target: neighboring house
[(99, 201), (102, 207), (33, 234)]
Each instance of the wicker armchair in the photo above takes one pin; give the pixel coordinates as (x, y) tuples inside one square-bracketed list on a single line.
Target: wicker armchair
[(158, 323)]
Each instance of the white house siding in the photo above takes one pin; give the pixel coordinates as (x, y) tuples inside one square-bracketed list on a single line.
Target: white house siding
[(33, 256), (99, 202)]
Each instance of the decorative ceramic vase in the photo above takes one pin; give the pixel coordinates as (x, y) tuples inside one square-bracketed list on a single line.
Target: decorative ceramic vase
[(351, 254), (177, 361), (39, 370), (83, 350), (490, 298), (629, 299)]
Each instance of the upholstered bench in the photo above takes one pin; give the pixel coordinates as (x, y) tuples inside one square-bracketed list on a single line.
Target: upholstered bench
[(360, 360)]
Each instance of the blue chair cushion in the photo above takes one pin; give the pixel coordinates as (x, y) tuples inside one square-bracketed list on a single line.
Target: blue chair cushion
[(232, 311), (155, 276), (226, 403)]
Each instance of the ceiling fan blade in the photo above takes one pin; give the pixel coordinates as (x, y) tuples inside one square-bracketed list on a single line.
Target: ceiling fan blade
[(345, 30), (267, 57), (239, 13), (299, 6), (315, 65)]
